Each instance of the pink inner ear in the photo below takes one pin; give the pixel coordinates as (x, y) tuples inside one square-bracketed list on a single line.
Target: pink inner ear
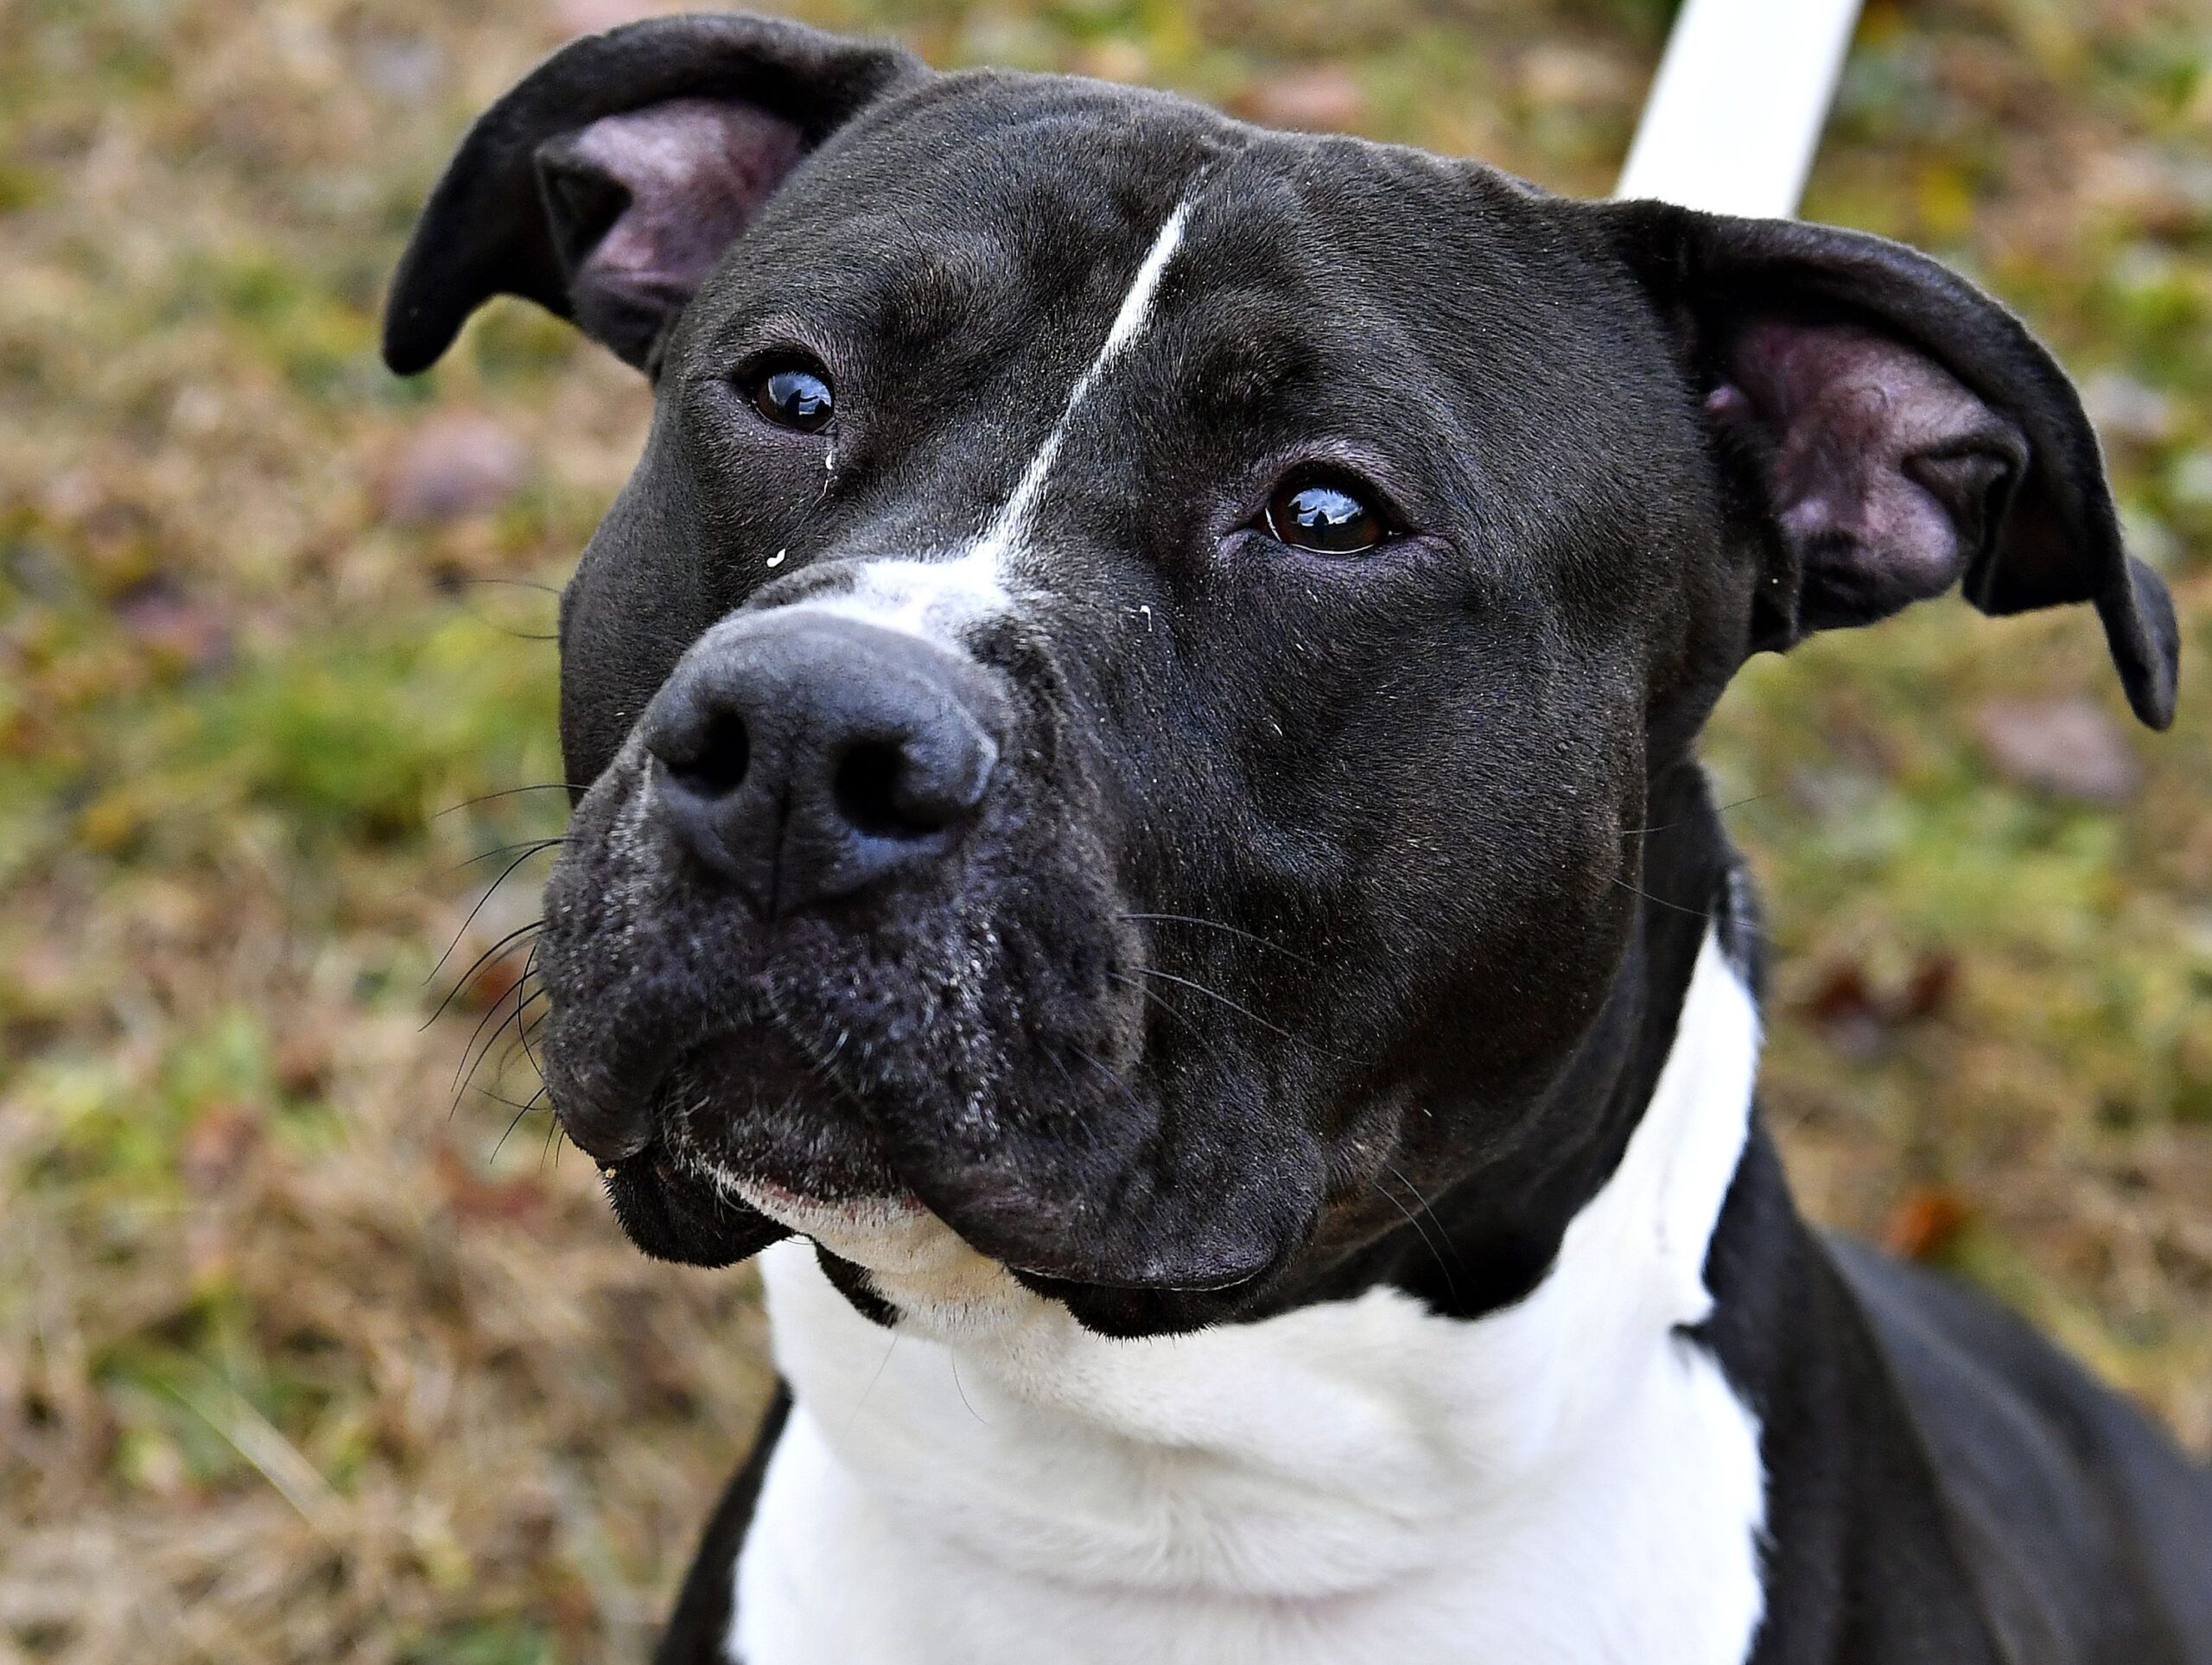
[(696, 170), (1880, 463)]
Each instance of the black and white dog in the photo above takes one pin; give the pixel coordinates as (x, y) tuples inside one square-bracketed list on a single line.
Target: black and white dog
[(1144, 850)]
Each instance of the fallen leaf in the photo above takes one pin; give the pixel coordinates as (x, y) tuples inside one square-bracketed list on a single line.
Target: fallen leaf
[(477, 1200), (302, 1063), (1858, 1018), (1325, 98), (2144, 186), (1926, 1221), (454, 465), (1851, 1016), (1928, 993), (2067, 747), (174, 630), (492, 981)]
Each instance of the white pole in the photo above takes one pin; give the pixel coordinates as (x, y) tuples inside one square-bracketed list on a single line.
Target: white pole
[(1736, 109)]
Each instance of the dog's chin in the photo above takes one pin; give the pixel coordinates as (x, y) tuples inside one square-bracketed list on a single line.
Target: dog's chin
[(752, 1143), (914, 1258), (749, 1146)]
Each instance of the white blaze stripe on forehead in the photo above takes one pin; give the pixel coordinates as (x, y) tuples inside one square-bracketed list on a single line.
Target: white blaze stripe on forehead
[(1005, 531), (935, 599)]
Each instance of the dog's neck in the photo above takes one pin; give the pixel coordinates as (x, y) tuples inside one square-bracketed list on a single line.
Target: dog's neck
[(1338, 1452)]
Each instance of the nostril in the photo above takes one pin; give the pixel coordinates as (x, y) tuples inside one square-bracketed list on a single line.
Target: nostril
[(715, 765), (800, 756), (867, 790)]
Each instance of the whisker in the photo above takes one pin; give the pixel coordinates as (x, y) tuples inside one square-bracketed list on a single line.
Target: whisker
[(504, 630), (1694, 913), (460, 1084), (822, 1069), (511, 791), (1719, 809), (1414, 1220), (535, 1024), (1094, 1063), (512, 634), (501, 1098), (1233, 930), (513, 583), (500, 950), (861, 1404), (511, 1125), (490, 892), (519, 1043), (529, 970), (1122, 1086), (953, 1359), (1246, 1012), (1053, 1057), (527, 846), (1161, 1002), (466, 1073)]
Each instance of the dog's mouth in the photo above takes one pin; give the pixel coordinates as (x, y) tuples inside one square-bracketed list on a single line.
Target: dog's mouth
[(751, 1141)]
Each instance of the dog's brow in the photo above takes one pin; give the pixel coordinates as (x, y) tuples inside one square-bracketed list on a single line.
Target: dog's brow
[(1006, 526)]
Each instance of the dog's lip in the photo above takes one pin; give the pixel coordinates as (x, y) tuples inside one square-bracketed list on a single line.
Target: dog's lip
[(816, 1216), (855, 1225), (865, 1209), (651, 1156), (859, 1224), (849, 1222), (1164, 1282)]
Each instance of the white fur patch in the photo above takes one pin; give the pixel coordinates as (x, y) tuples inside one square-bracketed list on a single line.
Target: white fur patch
[(936, 599), (1005, 532), (932, 598), (1570, 1479)]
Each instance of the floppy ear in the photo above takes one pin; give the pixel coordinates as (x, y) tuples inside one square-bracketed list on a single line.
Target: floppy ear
[(1899, 430), (606, 184)]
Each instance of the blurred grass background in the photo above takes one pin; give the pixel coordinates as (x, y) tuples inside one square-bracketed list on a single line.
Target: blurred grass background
[(297, 1365)]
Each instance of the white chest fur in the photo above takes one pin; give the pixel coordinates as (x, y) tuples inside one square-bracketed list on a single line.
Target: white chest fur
[(1567, 1480)]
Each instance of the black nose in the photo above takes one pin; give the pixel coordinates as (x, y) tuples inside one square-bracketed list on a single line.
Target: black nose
[(804, 756)]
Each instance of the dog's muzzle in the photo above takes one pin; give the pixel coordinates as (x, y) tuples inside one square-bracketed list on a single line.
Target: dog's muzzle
[(799, 757)]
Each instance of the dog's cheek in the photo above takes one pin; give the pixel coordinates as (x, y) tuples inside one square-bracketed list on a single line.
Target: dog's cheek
[(1537, 890), (1069, 941)]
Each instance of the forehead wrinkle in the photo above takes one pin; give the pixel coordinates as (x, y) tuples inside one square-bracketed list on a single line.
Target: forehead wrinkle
[(946, 280)]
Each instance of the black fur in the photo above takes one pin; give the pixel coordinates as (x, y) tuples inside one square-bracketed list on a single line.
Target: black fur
[(703, 1606)]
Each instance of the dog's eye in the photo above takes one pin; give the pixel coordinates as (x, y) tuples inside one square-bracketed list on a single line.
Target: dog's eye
[(795, 397), (1327, 515)]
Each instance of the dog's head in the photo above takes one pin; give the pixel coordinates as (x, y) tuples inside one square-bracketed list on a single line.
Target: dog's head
[(1119, 701)]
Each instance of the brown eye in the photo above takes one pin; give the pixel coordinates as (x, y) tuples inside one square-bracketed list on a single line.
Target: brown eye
[(792, 398), (1325, 516)]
